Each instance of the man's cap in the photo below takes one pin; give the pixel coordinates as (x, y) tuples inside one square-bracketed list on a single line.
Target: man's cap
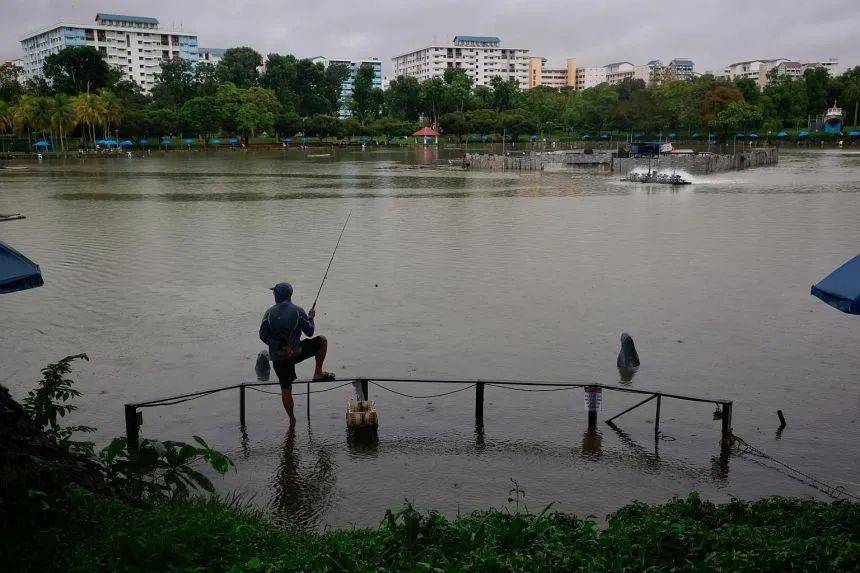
[(284, 290)]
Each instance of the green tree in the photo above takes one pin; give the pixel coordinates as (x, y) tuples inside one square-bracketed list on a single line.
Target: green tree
[(482, 121), (160, 121), (288, 123), (280, 77), (205, 79), (63, 117), (738, 116), (5, 117), (112, 111), (459, 88), (390, 128), (239, 67), (201, 116), (433, 94), (349, 127), (366, 101), (455, 123), (784, 99), (403, 98), (322, 126), (88, 111), (505, 93), (817, 83), (749, 88), (10, 83), (515, 122), (78, 69), (716, 99), (174, 84)]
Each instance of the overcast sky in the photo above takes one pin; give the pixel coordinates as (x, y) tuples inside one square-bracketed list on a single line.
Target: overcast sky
[(711, 33)]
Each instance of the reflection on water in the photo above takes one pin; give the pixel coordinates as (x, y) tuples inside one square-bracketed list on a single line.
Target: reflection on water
[(304, 483), (158, 268)]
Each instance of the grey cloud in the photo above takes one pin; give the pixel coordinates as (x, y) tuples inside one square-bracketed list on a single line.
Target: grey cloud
[(595, 32)]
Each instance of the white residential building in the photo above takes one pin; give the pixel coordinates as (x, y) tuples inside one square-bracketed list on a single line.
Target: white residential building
[(134, 45), (590, 77), (758, 70), (619, 71), (348, 85), (482, 57)]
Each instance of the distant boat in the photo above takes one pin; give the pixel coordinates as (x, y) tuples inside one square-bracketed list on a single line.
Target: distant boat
[(833, 120), (319, 154)]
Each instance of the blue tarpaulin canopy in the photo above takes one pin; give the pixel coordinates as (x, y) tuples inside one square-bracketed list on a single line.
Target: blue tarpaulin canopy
[(42, 144), (165, 141), (215, 141), (803, 134), (109, 142), (585, 137), (17, 272), (673, 135), (188, 141), (753, 136), (126, 143), (854, 134), (144, 141), (782, 134), (739, 136), (604, 136), (234, 140), (695, 135), (841, 288)]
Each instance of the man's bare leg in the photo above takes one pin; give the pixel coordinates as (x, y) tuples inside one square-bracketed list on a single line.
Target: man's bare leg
[(287, 399), (320, 358)]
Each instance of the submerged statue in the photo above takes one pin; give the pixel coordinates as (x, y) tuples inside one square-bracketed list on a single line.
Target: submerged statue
[(628, 358), (262, 367)]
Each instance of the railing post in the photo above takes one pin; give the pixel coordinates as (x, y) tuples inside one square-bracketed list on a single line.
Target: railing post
[(479, 402), (365, 389), (657, 417), (308, 399), (727, 423), (132, 433), (242, 404)]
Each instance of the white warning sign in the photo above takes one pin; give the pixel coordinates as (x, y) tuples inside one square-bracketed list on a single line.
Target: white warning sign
[(593, 399)]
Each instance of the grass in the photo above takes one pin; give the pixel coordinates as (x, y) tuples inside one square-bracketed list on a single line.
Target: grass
[(205, 534)]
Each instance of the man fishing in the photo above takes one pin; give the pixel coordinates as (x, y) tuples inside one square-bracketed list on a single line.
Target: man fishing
[(282, 328)]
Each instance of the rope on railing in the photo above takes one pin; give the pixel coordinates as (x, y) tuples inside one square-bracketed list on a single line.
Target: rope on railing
[(421, 397)]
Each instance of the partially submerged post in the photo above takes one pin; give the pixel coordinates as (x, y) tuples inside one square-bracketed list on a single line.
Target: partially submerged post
[(132, 432), (242, 404), (479, 402)]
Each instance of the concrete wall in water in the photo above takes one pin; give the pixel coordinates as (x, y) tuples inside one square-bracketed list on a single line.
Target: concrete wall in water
[(701, 163)]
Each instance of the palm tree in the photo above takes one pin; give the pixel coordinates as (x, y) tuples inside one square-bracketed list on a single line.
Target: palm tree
[(5, 117), (41, 115), (111, 110), (63, 116), (89, 111), (22, 115)]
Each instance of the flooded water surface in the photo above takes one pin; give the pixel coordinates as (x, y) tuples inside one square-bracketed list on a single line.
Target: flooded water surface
[(158, 268)]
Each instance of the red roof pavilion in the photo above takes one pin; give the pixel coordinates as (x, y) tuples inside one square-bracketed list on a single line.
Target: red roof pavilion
[(426, 131)]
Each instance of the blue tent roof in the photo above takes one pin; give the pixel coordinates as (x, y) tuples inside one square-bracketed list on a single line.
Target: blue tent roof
[(854, 134), (188, 141), (841, 288), (696, 135), (234, 140), (17, 272), (42, 143), (126, 143), (604, 136), (144, 141), (109, 142), (782, 134), (673, 135), (215, 141), (753, 136), (585, 137), (803, 134), (165, 141), (739, 135)]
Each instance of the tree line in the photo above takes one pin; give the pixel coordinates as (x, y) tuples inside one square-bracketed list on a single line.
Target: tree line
[(81, 95)]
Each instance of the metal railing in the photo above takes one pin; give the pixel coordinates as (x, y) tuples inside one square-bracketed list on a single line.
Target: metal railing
[(133, 417)]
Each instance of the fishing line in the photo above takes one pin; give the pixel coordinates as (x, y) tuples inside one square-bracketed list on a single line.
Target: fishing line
[(313, 306)]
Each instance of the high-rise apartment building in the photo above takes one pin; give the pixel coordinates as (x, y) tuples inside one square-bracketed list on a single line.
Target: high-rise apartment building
[(541, 75), (680, 69), (348, 85), (134, 45), (481, 57), (619, 71)]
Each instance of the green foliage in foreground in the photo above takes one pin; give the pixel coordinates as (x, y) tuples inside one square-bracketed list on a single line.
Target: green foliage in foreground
[(774, 534)]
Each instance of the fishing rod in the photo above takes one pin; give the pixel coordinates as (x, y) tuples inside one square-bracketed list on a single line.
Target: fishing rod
[(313, 306)]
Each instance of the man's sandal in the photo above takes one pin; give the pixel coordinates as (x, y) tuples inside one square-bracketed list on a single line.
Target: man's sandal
[(326, 377)]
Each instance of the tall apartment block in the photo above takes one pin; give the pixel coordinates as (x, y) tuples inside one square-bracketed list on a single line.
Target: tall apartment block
[(482, 58), (134, 45)]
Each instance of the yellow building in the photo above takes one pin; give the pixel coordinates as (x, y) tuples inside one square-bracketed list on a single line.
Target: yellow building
[(540, 75)]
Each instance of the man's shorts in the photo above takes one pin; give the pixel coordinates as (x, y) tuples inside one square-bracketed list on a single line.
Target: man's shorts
[(286, 369)]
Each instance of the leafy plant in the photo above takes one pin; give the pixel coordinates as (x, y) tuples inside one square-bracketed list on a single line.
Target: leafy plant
[(51, 400), (160, 469)]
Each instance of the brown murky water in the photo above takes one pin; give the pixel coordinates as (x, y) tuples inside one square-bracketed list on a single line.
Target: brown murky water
[(157, 267)]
